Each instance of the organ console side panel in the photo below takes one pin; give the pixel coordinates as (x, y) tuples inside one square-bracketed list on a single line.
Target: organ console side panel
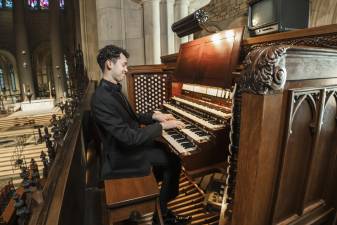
[(287, 151), (257, 159)]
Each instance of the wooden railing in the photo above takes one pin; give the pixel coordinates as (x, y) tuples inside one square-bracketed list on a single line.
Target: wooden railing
[(64, 191)]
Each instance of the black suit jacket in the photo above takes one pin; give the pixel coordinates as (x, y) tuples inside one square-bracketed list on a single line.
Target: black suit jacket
[(124, 142)]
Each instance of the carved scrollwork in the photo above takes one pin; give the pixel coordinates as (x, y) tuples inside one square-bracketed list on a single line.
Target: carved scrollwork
[(326, 41), (263, 71)]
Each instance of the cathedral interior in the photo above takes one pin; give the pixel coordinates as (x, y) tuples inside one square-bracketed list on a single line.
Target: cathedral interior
[(259, 100)]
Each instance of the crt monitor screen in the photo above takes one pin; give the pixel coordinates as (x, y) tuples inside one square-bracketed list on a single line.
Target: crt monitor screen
[(262, 12)]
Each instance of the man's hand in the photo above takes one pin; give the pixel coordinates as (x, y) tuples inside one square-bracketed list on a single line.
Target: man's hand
[(161, 117), (170, 124)]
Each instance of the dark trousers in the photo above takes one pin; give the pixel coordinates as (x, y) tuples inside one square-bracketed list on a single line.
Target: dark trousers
[(166, 168)]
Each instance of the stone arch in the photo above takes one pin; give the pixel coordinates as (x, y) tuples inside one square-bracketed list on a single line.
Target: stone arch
[(41, 67), (12, 60)]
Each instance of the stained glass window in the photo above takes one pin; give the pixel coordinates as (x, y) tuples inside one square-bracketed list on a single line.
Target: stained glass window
[(41, 4), (33, 4), (66, 68), (9, 3), (44, 4), (6, 4), (62, 4)]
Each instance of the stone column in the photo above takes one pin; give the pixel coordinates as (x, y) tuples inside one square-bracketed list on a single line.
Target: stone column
[(181, 10), (56, 49), (89, 36), (190, 11), (70, 38), (22, 48), (166, 21), (170, 21), (152, 31)]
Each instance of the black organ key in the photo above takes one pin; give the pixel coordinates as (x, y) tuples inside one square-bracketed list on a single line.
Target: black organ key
[(182, 140), (187, 145)]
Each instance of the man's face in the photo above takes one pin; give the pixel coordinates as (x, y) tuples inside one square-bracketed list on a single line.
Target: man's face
[(119, 69)]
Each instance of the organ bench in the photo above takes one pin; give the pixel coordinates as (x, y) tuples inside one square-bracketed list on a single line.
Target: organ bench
[(126, 197)]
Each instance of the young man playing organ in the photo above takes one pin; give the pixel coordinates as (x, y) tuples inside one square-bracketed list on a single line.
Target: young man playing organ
[(130, 150)]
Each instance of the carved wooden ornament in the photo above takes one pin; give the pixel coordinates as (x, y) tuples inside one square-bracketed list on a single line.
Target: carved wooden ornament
[(264, 70)]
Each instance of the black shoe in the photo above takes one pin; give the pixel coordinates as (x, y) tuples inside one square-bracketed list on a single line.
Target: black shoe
[(171, 219)]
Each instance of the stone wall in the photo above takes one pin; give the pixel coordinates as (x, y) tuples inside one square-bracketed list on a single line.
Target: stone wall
[(121, 23), (227, 13)]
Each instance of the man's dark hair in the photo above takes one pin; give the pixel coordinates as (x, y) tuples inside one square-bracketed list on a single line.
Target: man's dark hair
[(111, 52)]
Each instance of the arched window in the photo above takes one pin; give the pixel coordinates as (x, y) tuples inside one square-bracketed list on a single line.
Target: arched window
[(2, 80), (12, 77), (66, 68), (6, 4)]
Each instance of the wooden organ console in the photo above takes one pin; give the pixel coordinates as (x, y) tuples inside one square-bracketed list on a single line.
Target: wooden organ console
[(201, 99), (270, 128), (277, 153)]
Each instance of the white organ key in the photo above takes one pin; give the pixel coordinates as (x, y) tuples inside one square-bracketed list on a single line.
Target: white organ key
[(195, 137), (207, 109), (194, 118), (227, 94), (177, 146), (187, 130)]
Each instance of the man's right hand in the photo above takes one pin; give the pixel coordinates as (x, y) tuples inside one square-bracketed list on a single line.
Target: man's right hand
[(170, 124)]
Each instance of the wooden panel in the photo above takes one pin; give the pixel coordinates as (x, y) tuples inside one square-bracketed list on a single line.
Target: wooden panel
[(119, 192), (188, 62), (297, 153), (210, 60), (170, 62), (261, 124), (321, 162), (214, 52), (123, 213), (305, 186), (305, 63), (289, 177)]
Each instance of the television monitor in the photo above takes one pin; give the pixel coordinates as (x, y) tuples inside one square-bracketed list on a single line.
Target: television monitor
[(269, 16)]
